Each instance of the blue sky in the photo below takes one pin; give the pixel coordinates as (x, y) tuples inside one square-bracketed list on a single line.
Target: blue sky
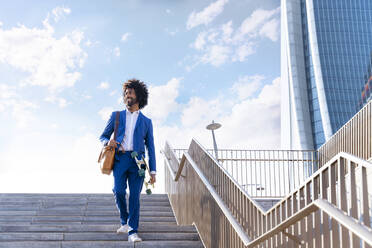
[(63, 63)]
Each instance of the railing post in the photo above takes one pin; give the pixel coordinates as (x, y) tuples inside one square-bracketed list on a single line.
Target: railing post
[(353, 196)]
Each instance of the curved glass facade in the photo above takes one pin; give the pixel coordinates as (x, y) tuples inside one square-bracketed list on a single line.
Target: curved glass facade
[(314, 107), (343, 32)]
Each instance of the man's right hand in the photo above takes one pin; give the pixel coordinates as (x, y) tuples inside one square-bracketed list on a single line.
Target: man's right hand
[(113, 143)]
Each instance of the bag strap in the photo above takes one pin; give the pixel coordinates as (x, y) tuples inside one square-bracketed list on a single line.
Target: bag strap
[(103, 151), (117, 117)]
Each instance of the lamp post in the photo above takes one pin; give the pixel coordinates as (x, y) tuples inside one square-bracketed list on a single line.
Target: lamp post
[(213, 126)]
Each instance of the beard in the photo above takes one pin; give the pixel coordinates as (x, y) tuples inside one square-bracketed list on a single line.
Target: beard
[(130, 101)]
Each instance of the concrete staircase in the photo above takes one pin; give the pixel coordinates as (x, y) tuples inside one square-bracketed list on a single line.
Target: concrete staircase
[(86, 220)]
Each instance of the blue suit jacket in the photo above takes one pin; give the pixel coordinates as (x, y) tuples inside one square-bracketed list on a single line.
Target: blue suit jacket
[(143, 135)]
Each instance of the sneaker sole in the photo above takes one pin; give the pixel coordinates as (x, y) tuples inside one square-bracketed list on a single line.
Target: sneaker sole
[(136, 241)]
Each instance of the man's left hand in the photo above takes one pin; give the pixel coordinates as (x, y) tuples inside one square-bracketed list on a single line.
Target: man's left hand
[(153, 178)]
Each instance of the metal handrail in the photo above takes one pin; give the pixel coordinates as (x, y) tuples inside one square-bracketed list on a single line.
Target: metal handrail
[(179, 172), (180, 202), (227, 174), (230, 177), (364, 232), (354, 137), (358, 229), (173, 175), (243, 236), (237, 227)]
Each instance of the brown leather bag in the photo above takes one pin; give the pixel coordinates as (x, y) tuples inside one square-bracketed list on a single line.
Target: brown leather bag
[(107, 155)]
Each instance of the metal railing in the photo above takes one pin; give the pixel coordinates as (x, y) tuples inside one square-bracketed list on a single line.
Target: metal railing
[(353, 138), (193, 201), (330, 209), (266, 173)]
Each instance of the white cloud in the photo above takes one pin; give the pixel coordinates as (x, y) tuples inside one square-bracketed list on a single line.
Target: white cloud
[(125, 36), (212, 37), (20, 109), (103, 85), (62, 102), (199, 110), (168, 11), (270, 29), (252, 25), (40, 171), (116, 51), (7, 91), (51, 62), (105, 113), (250, 120), (216, 55), (60, 12), (22, 112), (162, 100), (227, 31), (207, 15), (88, 43), (243, 51), (200, 41), (255, 123), (217, 46), (246, 86), (113, 92)]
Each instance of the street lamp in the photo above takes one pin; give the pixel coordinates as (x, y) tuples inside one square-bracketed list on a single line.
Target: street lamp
[(213, 126)]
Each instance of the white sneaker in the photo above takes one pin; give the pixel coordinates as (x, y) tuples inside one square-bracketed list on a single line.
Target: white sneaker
[(134, 238), (123, 229)]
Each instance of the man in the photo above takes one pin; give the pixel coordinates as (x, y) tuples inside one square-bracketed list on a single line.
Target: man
[(133, 134)]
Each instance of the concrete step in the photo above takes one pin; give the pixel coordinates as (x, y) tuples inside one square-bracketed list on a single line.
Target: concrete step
[(94, 236), (110, 197), (144, 227), (101, 244), (86, 220), (21, 223), (72, 205), (68, 212), (37, 207), (73, 202), (73, 196)]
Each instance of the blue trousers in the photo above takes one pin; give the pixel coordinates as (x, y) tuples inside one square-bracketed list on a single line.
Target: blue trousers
[(125, 170)]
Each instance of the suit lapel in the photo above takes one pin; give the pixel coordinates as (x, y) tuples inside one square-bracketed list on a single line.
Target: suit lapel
[(139, 119), (123, 118)]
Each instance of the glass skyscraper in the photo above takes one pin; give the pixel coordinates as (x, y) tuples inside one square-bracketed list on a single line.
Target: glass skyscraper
[(325, 55)]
